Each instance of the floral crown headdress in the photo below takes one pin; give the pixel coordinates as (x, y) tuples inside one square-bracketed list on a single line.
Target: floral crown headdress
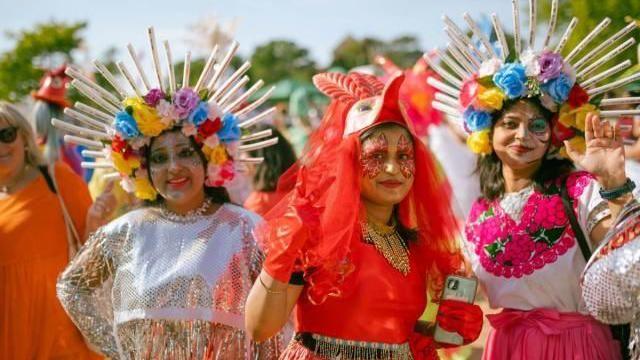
[(214, 112), (481, 78)]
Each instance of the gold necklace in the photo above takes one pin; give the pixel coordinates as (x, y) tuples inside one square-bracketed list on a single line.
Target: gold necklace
[(388, 243)]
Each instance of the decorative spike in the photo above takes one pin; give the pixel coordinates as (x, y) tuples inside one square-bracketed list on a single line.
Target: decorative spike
[(62, 125), (254, 120), (254, 105), (85, 119), (219, 92), (446, 109), (96, 165), (447, 100), (219, 72), (610, 55), (172, 75), (603, 24), (138, 66), (156, 59), (553, 20), (257, 135), (567, 34), (614, 85), (110, 78), (461, 36), (106, 118), (187, 70), (616, 113), (442, 72), (620, 101), (127, 75), (605, 44), (605, 74), (232, 92), (93, 154), (533, 10), (515, 8), (252, 160), (443, 87), (452, 64), (258, 145), (480, 35), (497, 27), (88, 92), (95, 87), (82, 141), (237, 102), (207, 69), (462, 47), (460, 58)]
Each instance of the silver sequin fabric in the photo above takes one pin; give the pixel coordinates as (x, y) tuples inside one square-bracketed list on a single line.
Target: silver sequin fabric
[(154, 286)]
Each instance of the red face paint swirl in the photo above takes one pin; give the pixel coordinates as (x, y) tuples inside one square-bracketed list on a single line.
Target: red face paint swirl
[(374, 153), (406, 158)]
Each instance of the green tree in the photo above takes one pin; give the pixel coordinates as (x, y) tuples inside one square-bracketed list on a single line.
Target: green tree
[(280, 59), (19, 67), (352, 52)]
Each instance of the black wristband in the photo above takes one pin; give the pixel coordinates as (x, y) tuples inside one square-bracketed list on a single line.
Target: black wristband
[(297, 278), (612, 194)]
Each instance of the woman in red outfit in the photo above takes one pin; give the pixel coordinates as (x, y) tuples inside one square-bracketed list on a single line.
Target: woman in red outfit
[(363, 236)]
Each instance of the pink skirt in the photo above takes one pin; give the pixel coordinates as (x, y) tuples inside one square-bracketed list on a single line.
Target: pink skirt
[(545, 334)]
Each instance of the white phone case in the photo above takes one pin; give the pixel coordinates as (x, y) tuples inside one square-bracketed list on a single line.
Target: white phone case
[(461, 289)]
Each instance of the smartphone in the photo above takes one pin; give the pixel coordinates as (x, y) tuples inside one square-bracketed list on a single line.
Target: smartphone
[(461, 289)]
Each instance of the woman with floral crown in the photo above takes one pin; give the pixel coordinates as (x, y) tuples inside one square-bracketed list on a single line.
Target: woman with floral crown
[(533, 118), (357, 245), (168, 281)]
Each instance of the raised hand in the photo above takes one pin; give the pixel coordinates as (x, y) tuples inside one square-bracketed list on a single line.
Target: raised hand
[(604, 154)]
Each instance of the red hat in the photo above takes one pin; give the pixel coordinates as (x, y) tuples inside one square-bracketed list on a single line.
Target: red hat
[(53, 87), (371, 102)]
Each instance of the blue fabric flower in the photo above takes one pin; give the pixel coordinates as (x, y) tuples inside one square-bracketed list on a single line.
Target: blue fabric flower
[(199, 114), (558, 88), (512, 80), (230, 130), (476, 120), (126, 125)]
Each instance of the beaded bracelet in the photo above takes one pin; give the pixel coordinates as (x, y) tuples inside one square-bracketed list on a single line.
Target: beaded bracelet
[(612, 194)]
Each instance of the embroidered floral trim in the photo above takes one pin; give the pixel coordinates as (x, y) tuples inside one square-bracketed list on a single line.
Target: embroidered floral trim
[(511, 247)]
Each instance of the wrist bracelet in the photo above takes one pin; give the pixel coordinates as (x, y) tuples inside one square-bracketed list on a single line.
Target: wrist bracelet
[(269, 291), (612, 194)]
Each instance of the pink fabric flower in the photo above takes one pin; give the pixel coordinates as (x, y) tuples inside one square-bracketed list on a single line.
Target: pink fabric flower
[(550, 66), (184, 101)]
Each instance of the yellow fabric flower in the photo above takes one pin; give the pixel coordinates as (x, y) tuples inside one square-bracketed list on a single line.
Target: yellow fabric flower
[(144, 189), (490, 99), (577, 143), (218, 155), (147, 119), (479, 142), (125, 166), (575, 117)]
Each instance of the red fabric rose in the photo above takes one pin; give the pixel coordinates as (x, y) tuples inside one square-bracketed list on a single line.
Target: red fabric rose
[(120, 146), (209, 127), (577, 96), (559, 132)]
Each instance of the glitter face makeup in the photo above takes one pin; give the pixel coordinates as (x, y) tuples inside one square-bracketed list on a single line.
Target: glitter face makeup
[(374, 155)]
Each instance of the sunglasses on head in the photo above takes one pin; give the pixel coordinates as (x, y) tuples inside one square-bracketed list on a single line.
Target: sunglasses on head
[(8, 134)]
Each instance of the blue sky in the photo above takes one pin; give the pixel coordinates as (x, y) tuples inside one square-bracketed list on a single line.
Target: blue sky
[(315, 24)]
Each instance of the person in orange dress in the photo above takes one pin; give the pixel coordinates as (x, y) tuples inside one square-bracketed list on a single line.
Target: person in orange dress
[(35, 247)]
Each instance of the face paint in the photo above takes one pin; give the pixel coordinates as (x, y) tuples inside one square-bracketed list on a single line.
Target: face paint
[(184, 155), (540, 129), (406, 158), (374, 154)]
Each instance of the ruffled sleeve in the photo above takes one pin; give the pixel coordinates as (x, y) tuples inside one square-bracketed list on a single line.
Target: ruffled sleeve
[(84, 289)]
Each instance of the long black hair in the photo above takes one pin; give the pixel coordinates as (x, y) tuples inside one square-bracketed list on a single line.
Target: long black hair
[(217, 194), (277, 159), (489, 167)]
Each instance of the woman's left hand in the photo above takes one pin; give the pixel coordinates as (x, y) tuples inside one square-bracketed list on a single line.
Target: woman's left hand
[(604, 154)]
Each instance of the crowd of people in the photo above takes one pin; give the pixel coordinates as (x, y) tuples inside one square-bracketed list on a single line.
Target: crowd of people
[(158, 219)]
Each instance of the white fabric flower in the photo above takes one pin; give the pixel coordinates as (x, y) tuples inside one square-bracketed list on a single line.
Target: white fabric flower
[(214, 111), (188, 129), (570, 71), (548, 102), (128, 184), (489, 67), (212, 141), (530, 61)]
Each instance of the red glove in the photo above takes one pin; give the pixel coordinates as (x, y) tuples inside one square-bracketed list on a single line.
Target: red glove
[(460, 317), (423, 347)]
